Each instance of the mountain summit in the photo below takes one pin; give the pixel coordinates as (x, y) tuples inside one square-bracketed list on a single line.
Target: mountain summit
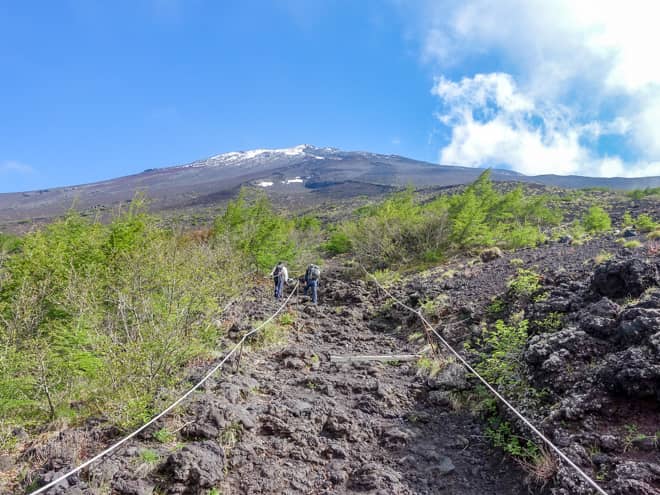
[(252, 158)]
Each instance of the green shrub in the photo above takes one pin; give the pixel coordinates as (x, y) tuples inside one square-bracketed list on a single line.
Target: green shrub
[(638, 194), (106, 316), (386, 277), (287, 319), (502, 435), (272, 334), (627, 220), (496, 307), (149, 456), (9, 244), (596, 220), (525, 283), (308, 223), (645, 223), (500, 354), (431, 366), (339, 243), (253, 229), (232, 434), (632, 244), (551, 323), (402, 230), (431, 307), (164, 436), (524, 236), (602, 257)]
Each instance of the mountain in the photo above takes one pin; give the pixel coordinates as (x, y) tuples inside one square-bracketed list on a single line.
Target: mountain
[(303, 173)]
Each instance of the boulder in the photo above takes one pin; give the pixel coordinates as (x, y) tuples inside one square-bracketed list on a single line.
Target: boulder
[(600, 318), (70, 486), (618, 279), (634, 372), (637, 325), (452, 377), (195, 467), (209, 418), (636, 478), (564, 343)]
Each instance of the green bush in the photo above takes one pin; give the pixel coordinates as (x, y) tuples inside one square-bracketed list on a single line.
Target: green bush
[(164, 436), (105, 316), (339, 243), (525, 283), (596, 220), (502, 435), (645, 223), (402, 230), (149, 456), (500, 354), (627, 220), (9, 244), (496, 307), (253, 229), (551, 323), (638, 194)]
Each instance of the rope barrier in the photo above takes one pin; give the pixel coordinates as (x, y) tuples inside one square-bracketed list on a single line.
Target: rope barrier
[(512, 408), (170, 407)]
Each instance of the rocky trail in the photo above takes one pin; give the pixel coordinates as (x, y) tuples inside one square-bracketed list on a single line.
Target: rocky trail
[(324, 427), (291, 421)]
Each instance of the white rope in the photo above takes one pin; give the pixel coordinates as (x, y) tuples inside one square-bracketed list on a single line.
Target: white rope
[(168, 409), (492, 389)]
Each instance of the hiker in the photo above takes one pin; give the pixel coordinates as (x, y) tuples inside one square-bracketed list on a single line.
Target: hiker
[(312, 276), (280, 275)]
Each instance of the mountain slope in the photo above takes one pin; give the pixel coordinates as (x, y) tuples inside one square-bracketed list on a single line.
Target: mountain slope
[(303, 171)]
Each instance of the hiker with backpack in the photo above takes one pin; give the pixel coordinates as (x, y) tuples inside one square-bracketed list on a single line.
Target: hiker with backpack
[(280, 275), (312, 276)]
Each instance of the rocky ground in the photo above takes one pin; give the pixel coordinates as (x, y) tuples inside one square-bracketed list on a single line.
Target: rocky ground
[(292, 421), (287, 419), (594, 325)]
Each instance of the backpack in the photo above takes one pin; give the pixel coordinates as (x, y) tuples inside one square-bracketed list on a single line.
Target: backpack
[(278, 271), (314, 272)]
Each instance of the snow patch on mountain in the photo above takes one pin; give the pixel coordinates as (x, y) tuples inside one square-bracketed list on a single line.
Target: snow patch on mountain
[(254, 158)]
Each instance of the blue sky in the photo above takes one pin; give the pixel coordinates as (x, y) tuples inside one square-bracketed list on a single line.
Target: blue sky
[(93, 90)]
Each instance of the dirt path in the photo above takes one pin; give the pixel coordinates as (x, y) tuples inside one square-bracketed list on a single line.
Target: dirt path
[(291, 421), (323, 427)]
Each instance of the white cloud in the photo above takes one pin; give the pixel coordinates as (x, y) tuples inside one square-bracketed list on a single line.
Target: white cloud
[(12, 166), (494, 123), (571, 71)]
